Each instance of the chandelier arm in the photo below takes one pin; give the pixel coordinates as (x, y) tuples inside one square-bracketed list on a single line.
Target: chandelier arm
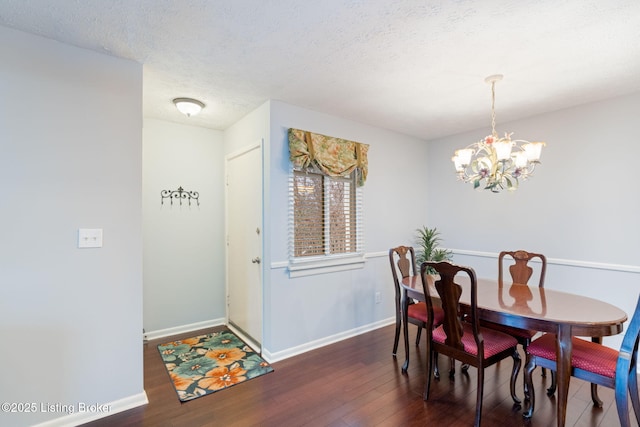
[(531, 166)]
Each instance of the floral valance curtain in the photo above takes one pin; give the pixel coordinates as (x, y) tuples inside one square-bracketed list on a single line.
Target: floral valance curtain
[(332, 156)]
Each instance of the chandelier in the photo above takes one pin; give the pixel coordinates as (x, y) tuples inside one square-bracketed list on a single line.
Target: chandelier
[(497, 163)]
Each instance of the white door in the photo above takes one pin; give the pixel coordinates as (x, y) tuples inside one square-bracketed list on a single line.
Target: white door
[(244, 242)]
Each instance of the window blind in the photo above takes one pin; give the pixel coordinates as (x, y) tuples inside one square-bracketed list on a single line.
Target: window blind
[(325, 215)]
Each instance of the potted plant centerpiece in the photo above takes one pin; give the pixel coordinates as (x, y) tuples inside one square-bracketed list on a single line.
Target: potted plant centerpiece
[(428, 250)]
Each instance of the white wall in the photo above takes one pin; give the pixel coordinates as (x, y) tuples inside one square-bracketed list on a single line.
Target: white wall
[(580, 209), (70, 158), (184, 247), (249, 130), (308, 311)]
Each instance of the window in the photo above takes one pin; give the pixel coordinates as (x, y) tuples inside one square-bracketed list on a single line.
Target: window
[(325, 203), (325, 219)]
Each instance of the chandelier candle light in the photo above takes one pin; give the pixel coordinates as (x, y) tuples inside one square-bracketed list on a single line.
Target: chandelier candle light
[(497, 162)]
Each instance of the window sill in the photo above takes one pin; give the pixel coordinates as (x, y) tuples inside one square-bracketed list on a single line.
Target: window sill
[(325, 264)]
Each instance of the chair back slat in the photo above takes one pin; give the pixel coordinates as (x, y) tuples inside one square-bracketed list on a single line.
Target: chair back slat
[(520, 271), (403, 261), (449, 293), (406, 266)]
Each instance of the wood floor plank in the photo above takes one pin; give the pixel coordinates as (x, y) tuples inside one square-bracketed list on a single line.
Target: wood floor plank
[(356, 382)]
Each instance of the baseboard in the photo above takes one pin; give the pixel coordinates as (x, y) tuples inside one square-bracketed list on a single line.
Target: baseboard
[(91, 411), (266, 354), (312, 345), (161, 333)]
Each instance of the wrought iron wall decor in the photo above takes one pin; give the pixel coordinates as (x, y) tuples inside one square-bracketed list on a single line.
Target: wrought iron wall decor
[(179, 194)]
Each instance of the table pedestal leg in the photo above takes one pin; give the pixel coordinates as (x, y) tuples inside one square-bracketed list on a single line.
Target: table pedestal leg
[(563, 375)]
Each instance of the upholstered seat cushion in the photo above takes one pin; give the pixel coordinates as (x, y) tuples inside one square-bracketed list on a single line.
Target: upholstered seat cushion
[(586, 355), (494, 341), (419, 311)]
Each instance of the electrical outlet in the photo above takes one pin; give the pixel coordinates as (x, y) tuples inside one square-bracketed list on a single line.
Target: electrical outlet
[(377, 297), (90, 238)]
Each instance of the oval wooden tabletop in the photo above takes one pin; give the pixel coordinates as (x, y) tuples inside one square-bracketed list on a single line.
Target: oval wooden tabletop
[(535, 308)]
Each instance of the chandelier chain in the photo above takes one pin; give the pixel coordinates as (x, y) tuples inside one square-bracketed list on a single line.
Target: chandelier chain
[(493, 110)]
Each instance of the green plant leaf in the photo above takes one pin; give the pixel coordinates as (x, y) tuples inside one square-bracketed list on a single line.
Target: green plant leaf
[(428, 240)]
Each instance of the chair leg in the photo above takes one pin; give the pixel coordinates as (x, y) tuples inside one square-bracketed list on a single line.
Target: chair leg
[(621, 389), (397, 335), (529, 391), (514, 375), (405, 335), (427, 384), (594, 396), (552, 389), (452, 367), (633, 391), (418, 335), (480, 391), (436, 370)]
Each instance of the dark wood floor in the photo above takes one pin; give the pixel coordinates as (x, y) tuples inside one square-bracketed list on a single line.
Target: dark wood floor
[(355, 382)]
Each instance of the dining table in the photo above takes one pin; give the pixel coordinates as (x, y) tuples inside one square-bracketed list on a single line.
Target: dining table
[(534, 308)]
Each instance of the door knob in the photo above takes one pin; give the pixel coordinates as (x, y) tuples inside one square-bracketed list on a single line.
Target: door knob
[(256, 260)]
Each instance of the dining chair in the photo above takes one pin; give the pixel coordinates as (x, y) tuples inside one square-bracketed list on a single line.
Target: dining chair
[(595, 363), (463, 339), (403, 264), (417, 312), (520, 272)]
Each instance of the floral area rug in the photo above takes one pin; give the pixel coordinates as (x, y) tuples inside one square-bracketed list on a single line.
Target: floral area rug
[(208, 363)]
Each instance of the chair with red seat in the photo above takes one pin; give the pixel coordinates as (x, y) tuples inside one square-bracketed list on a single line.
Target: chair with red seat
[(595, 363), (403, 264), (520, 272), (463, 339)]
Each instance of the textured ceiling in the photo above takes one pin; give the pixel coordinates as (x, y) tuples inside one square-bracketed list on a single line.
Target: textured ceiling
[(413, 66)]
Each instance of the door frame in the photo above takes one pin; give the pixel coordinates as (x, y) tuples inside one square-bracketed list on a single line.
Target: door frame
[(259, 145)]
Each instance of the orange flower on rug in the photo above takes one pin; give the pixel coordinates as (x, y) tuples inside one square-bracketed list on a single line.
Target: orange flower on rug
[(208, 363)]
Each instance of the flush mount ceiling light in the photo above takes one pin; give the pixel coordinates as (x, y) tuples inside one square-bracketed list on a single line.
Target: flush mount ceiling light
[(497, 162), (188, 106)]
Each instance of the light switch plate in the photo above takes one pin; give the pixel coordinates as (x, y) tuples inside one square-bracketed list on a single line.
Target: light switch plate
[(90, 238)]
